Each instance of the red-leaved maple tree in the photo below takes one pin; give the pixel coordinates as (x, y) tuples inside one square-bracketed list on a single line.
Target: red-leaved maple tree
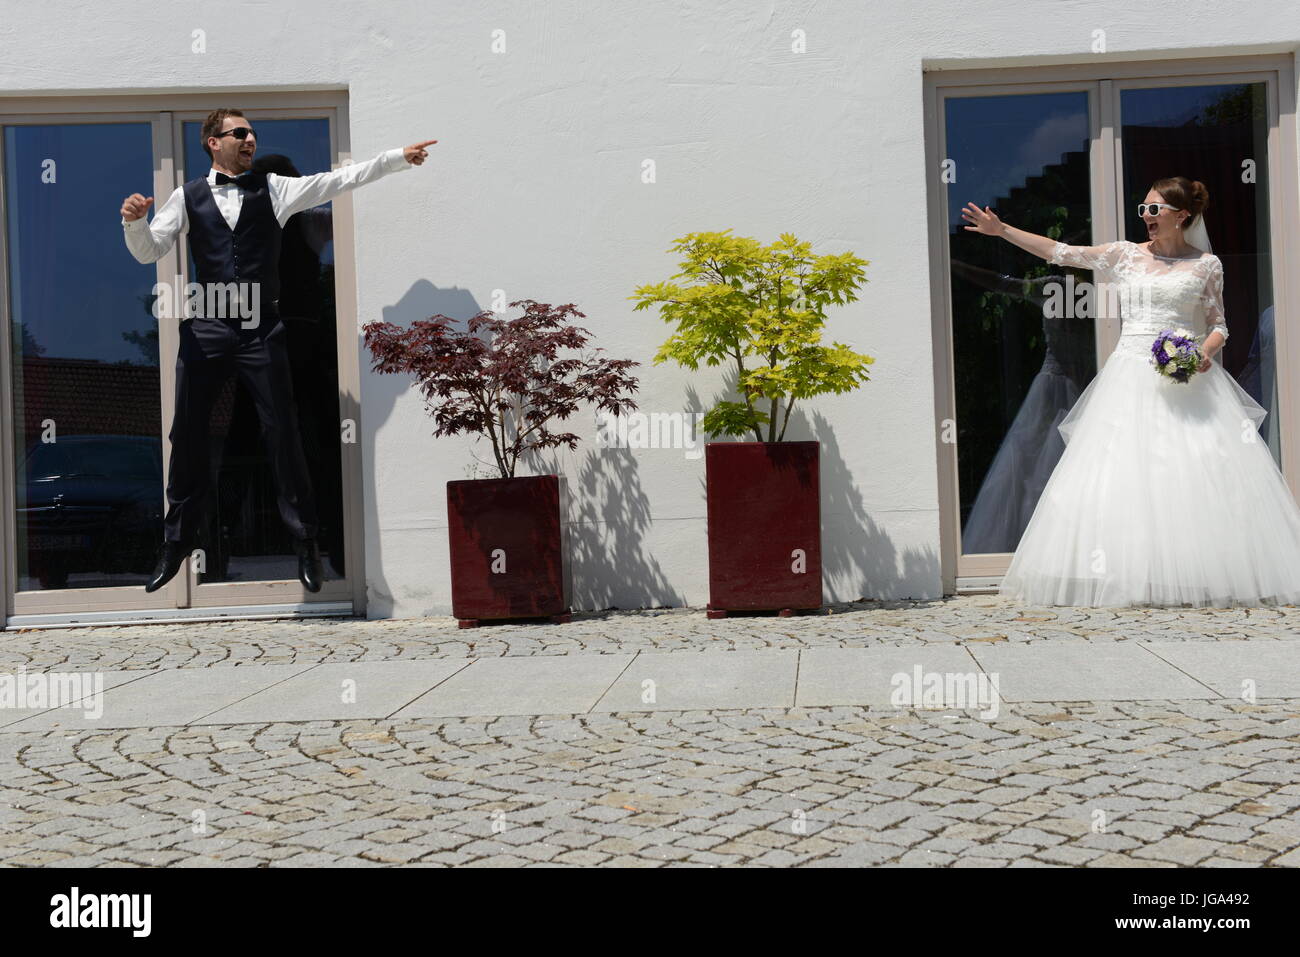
[(505, 379)]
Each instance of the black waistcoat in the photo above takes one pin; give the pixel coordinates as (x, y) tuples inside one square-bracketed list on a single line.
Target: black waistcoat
[(249, 253)]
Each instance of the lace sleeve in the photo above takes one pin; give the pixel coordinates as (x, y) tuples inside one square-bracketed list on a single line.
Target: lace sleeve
[(1211, 298), (1098, 258)]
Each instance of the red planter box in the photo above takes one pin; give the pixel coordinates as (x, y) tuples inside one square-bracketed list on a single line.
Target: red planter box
[(765, 545), (508, 558)]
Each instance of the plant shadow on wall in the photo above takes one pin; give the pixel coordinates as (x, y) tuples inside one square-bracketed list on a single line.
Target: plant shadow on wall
[(858, 557), (608, 515), (382, 392)]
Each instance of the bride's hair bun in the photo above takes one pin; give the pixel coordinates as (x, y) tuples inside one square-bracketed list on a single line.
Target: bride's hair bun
[(1184, 193)]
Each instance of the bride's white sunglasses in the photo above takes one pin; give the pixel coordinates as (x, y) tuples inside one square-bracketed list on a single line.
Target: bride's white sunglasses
[(1154, 207)]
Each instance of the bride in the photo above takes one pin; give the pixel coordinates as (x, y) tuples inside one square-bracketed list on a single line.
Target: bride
[(1165, 494)]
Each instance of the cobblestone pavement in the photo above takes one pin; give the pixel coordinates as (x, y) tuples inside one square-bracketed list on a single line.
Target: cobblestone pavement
[(971, 618), (1193, 782)]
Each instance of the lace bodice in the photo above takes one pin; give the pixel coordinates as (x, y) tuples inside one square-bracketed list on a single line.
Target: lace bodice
[(1152, 292)]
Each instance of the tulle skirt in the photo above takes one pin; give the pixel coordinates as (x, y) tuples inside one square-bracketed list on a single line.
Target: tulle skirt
[(1166, 495)]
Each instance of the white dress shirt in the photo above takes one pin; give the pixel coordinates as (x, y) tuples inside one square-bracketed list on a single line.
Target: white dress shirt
[(150, 241)]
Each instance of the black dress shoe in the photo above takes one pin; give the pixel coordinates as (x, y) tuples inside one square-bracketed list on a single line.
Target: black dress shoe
[(170, 559), (309, 572)]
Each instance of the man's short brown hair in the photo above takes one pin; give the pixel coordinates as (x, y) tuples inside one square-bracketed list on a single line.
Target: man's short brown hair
[(212, 125)]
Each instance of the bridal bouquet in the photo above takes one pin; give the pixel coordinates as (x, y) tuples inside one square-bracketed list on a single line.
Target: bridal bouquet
[(1176, 354)]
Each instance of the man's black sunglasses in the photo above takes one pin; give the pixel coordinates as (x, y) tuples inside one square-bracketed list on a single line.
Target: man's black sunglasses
[(239, 133)]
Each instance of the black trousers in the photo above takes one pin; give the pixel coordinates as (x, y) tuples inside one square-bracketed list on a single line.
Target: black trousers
[(210, 349)]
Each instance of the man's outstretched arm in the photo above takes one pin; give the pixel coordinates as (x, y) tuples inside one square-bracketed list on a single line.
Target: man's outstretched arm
[(148, 241), (293, 194)]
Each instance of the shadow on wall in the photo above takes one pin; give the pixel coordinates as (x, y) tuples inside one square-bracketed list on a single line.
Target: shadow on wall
[(607, 515), (858, 558), (422, 301)]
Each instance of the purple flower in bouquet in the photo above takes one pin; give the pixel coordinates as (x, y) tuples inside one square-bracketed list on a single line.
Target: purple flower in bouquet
[(1176, 354)]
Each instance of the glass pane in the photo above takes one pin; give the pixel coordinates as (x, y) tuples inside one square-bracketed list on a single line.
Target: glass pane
[(84, 346), (249, 542), (1209, 133), (1017, 369)]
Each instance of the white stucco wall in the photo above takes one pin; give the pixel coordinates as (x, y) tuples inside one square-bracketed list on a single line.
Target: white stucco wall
[(535, 189)]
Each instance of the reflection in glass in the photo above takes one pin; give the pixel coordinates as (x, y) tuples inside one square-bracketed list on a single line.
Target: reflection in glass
[(84, 346), (1205, 133), (248, 540), (1017, 370)]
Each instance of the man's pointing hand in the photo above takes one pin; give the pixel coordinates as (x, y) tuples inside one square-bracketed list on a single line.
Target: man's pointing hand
[(416, 154)]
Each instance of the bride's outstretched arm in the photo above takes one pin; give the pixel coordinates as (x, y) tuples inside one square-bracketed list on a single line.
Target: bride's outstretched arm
[(987, 222), (1098, 258)]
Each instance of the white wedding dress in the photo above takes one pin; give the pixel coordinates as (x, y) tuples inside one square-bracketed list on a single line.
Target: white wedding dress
[(1165, 494)]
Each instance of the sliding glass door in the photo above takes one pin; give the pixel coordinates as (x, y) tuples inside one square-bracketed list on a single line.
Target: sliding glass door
[(1216, 133), (1018, 371), (87, 376), (1071, 160), (83, 359)]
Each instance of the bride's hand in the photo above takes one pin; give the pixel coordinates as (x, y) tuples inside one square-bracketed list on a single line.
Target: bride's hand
[(985, 220), (1206, 362)]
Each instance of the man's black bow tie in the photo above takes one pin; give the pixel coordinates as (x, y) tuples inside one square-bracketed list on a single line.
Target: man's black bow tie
[(244, 180)]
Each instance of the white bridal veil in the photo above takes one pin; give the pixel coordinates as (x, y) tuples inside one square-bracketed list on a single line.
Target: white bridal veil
[(1197, 236)]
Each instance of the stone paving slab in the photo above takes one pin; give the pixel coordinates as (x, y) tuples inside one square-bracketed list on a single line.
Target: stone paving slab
[(575, 684), (1273, 667), (1071, 672), (866, 676), (560, 684), (166, 698), (341, 691), (706, 680), (111, 679)]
